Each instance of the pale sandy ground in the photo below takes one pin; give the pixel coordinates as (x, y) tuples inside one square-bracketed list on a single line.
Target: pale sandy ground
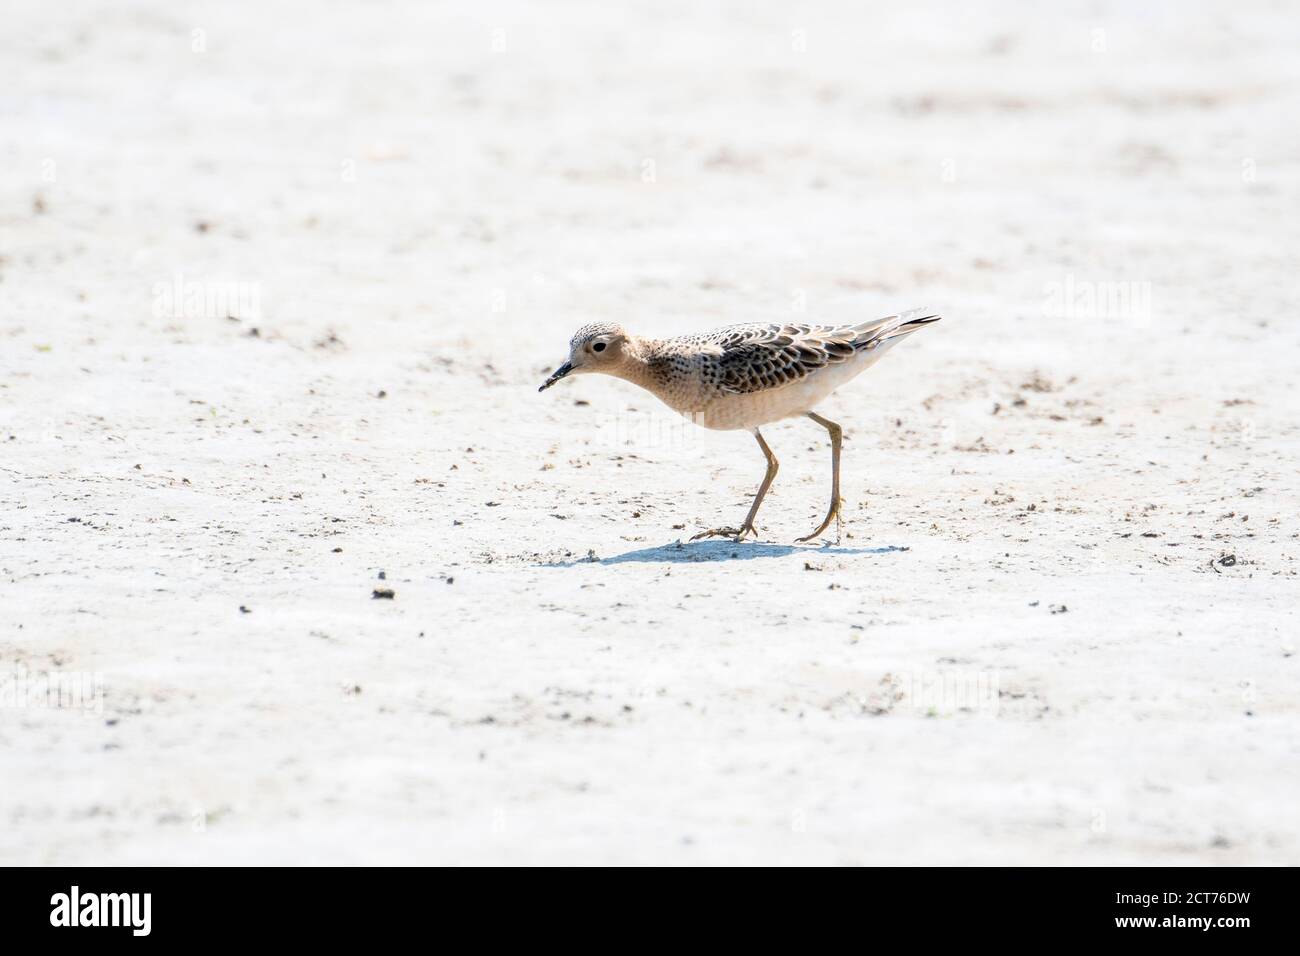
[(425, 201)]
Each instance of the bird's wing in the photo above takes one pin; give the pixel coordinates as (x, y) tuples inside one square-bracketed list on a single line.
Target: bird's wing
[(752, 358)]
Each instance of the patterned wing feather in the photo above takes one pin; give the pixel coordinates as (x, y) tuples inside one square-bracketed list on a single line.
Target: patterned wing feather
[(757, 357)]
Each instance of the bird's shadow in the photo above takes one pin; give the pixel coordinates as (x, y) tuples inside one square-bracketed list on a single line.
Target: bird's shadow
[(696, 552)]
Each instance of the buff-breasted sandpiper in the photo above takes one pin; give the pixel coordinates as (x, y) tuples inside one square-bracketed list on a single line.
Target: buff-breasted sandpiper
[(744, 376)]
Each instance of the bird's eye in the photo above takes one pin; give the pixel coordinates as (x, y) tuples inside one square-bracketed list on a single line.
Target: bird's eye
[(598, 347)]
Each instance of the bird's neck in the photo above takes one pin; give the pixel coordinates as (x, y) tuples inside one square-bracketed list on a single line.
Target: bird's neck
[(636, 367)]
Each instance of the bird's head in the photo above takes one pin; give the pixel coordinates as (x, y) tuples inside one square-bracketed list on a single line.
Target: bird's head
[(593, 348)]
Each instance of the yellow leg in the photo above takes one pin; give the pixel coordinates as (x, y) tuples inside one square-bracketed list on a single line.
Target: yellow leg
[(834, 511), (748, 526)]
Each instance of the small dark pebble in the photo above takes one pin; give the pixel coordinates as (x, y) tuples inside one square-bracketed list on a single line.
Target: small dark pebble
[(244, 610), (386, 593), (383, 575)]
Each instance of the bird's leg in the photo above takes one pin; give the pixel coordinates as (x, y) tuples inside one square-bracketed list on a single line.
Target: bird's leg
[(748, 526), (834, 510)]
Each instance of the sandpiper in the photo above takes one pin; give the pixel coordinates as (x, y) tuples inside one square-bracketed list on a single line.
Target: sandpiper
[(744, 376)]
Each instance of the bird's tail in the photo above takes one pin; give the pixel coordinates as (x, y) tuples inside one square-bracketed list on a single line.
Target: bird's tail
[(894, 327), (908, 326)]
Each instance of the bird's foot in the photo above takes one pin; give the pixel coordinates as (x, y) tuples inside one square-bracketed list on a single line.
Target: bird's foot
[(833, 514), (825, 541), (736, 534)]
